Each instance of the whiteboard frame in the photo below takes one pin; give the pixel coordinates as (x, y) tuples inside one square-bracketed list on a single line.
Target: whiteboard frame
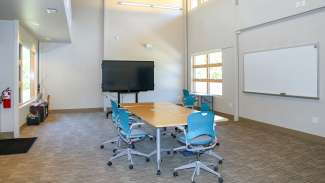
[(316, 45)]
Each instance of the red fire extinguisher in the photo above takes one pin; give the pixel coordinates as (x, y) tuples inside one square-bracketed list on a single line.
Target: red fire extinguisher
[(6, 98)]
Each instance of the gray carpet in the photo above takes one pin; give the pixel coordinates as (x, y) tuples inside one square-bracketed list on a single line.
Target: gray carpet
[(67, 150)]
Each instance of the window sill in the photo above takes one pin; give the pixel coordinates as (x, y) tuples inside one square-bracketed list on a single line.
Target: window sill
[(27, 103)]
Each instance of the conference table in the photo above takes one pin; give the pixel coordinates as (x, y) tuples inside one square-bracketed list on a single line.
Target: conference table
[(162, 115)]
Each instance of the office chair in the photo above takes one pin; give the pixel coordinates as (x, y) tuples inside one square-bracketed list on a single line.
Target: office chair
[(129, 135), (115, 118), (205, 107), (199, 138), (188, 100)]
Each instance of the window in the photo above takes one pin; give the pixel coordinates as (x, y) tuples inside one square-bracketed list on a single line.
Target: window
[(207, 73), (195, 3), (27, 74), (192, 4)]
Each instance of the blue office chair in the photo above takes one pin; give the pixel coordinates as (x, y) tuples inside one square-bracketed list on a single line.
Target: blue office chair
[(188, 100), (129, 135), (115, 118), (199, 138), (205, 107)]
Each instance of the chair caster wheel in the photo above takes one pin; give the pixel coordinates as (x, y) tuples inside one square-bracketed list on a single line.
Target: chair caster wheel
[(133, 146), (175, 174), (220, 180), (114, 151), (173, 135), (218, 144), (216, 168), (151, 138), (220, 162), (109, 163), (193, 181), (102, 146), (158, 172), (168, 152), (147, 159), (175, 152), (130, 167)]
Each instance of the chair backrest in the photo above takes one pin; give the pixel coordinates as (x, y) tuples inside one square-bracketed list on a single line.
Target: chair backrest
[(186, 93), (200, 124), (115, 110), (124, 122), (205, 107), (189, 100)]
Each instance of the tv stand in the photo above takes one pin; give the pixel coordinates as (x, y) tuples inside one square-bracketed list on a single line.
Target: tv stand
[(119, 96), (119, 99)]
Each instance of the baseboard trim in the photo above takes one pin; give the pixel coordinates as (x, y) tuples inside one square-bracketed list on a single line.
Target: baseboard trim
[(81, 110), (225, 115), (291, 132), (6, 135)]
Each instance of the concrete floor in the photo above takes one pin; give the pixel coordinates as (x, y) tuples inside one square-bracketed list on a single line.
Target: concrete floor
[(67, 150)]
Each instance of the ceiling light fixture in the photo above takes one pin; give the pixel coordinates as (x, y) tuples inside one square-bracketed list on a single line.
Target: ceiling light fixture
[(149, 5), (51, 10)]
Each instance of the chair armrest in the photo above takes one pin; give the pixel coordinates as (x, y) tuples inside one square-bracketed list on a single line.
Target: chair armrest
[(135, 124), (181, 128)]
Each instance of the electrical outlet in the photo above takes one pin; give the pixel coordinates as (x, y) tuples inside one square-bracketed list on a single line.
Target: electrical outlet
[(315, 120)]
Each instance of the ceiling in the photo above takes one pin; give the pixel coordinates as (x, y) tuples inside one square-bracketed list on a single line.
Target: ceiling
[(33, 16)]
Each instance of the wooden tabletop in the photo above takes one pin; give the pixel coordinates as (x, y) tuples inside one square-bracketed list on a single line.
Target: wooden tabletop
[(161, 114)]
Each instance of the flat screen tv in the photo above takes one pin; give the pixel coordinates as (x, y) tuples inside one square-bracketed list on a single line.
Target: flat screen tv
[(127, 76)]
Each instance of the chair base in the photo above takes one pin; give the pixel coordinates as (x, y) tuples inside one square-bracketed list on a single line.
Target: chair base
[(198, 165), (112, 141), (209, 153), (128, 152)]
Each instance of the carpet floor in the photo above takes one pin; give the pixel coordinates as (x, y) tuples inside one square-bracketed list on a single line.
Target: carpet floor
[(67, 151)]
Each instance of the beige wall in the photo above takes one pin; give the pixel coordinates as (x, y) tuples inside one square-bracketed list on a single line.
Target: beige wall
[(127, 29), (9, 74), (71, 73), (300, 114), (211, 26)]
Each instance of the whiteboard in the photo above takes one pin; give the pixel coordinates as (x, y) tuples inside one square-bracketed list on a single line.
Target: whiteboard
[(287, 71)]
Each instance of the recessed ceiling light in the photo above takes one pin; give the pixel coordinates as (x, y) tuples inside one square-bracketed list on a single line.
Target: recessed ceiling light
[(48, 39), (51, 10)]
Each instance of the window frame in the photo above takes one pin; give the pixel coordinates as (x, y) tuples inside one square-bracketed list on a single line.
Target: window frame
[(33, 71), (208, 65), (198, 4)]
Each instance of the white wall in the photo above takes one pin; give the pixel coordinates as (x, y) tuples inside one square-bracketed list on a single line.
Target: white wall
[(9, 74), (127, 29), (71, 73), (255, 12), (211, 26), (293, 113)]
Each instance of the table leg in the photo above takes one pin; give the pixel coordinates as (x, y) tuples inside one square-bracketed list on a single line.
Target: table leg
[(158, 151)]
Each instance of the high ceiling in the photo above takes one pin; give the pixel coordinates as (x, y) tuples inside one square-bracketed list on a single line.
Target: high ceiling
[(32, 15)]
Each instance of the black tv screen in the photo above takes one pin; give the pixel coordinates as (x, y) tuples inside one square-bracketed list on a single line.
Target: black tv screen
[(127, 76)]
